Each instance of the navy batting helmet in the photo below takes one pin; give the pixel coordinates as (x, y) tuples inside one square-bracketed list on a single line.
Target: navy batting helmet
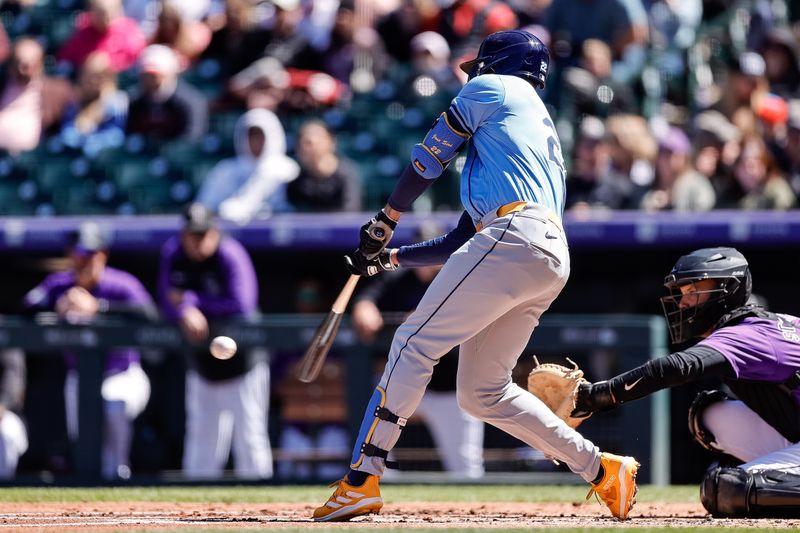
[(734, 284), (514, 52)]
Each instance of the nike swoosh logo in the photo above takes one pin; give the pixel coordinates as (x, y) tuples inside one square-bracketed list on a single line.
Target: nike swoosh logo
[(629, 386), (549, 236)]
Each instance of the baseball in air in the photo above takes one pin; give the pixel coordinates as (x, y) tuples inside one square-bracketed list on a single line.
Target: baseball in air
[(223, 347)]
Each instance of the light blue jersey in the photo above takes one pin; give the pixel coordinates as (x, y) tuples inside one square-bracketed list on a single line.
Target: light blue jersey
[(514, 153)]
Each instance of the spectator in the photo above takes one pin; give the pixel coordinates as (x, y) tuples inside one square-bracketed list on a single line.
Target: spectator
[(782, 62), (633, 151), (264, 84), (104, 28), (5, 45), (571, 22), (338, 58), (716, 147), (146, 12), (317, 21), (13, 435), (254, 182), (308, 79), (772, 114), (745, 85), (205, 277), (634, 54), (588, 87), (674, 29), (327, 181), (464, 23), (283, 40), (96, 118), (239, 40), (757, 182), (793, 145), (88, 290), (30, 102), (677, 185), (530, 12), (431, 58), (590, 183), (269, 85), (458, 436), (165, 106), (397, 28), (186, 38)]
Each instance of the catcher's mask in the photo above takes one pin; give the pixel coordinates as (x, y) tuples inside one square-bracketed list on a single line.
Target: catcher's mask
[(728, 268)]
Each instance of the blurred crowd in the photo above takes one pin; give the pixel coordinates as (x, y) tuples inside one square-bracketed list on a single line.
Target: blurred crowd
[(139, 106)]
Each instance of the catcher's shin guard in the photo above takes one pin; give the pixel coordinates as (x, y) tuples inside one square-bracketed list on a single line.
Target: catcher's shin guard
[(736, 493)]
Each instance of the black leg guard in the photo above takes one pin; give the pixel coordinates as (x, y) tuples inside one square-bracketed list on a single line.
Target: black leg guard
[(734, 493)]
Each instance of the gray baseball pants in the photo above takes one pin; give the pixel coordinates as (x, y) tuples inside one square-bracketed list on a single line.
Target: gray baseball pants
[(488, 298)]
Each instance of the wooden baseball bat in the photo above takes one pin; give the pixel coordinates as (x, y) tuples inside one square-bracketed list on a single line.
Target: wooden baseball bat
[(315, 355)]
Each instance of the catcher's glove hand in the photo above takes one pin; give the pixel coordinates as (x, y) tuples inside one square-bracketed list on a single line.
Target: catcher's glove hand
[(557, 386)]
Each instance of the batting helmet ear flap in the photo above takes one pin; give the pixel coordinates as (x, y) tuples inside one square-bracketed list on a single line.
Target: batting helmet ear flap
[(467, 66)]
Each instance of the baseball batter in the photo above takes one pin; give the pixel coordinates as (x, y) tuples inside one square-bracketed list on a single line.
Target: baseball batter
[(757, 355), (504, 264)]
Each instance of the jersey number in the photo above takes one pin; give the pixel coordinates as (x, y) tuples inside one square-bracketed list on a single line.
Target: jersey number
[(554, 149)]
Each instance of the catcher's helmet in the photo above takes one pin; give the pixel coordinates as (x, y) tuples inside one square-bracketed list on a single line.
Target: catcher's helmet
[(730, 270), (514, 52)]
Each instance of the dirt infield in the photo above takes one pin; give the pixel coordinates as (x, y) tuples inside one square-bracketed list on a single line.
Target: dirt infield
[(105, 516)]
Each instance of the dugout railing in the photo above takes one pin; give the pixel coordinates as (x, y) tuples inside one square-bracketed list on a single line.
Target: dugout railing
[(602, 344)]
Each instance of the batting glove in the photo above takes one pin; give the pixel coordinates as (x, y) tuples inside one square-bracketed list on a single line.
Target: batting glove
[(358, 265), (375, 234)]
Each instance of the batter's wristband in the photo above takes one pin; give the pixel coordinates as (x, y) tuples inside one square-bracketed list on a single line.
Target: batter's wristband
[(409, 187), (386, 219)]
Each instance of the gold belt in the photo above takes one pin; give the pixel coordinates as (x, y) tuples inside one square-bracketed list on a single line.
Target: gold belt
[(513, 207), (504, 210)]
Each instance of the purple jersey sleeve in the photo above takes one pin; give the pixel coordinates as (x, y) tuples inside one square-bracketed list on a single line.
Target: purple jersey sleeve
[(760, 349), (241, 297), (115, 287), (123, 287), (43, 296), (168, 253)]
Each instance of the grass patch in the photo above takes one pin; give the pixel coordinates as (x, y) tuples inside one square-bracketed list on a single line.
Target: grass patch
[(298, 494)]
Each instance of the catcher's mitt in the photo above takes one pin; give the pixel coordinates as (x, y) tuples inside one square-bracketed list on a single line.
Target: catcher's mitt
[(557, 386)]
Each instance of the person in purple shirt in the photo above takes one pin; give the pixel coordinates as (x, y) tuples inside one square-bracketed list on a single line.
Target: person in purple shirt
[(756, 353), (88, 289), (205, 276)]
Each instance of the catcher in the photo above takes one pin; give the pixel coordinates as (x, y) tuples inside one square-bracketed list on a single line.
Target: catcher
[(756, 353)]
